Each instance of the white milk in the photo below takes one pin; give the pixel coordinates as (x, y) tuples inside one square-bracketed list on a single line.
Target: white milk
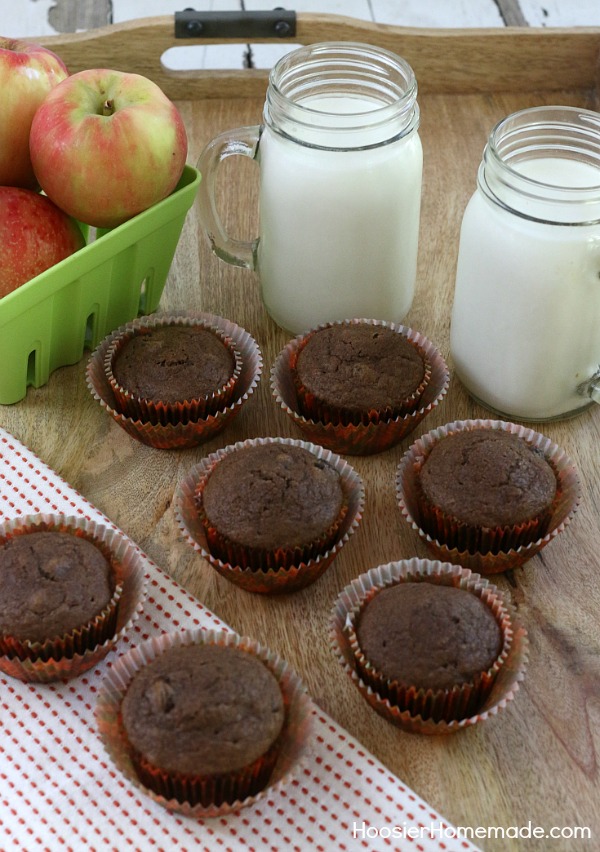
[(339, 228), (526, 317)]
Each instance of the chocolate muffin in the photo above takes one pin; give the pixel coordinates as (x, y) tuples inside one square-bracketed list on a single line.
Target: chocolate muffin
[(173, 363), (51, 583), (428, 636), (481, 480), (356, 371), (271, 505), (204, 723), (432, 647)]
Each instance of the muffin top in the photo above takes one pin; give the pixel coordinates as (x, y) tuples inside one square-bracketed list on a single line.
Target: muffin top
[(488, 478), (360, 366), (428, 635), (272, 495), (173, 363), (203, 710), (51, 583)]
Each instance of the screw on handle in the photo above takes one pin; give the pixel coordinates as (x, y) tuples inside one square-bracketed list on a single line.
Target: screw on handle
[(278, 23)]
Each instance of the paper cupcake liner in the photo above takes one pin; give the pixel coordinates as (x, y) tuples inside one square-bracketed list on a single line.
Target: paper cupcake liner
[(263, 560), (377, 435), (67, 656), (314, 408), (208, 791), (419, 710), (292, 747), (158, 412), (487, 551), (193, 431), (274, 578)]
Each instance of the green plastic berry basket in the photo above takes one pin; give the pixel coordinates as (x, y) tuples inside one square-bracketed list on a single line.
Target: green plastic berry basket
[(51, 320)]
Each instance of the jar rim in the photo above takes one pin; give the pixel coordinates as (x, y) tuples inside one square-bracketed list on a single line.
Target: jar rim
[(382, 84), (566, 195), (353, 53), (557, 117)]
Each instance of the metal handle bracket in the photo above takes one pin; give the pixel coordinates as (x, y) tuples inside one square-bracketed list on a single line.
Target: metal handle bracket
[(277, 23)]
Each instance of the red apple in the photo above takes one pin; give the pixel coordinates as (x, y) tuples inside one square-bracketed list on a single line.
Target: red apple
[(106, 145), (34, 235), (27, 73)]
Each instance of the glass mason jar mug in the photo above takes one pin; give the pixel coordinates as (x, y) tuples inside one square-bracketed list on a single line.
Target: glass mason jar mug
[(340, 187), (525, 329)]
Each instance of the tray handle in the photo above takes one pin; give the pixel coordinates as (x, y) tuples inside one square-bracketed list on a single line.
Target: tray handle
[(278, 23), (458, 61)]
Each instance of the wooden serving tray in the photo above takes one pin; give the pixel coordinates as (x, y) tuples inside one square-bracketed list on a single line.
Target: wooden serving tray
[(536, 763), (514, 59)]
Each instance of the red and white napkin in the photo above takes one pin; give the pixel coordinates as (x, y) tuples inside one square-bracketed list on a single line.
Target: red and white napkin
[(59, 790)]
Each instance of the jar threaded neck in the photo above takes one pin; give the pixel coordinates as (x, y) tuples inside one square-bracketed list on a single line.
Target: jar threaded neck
[(342, 96), (543, 163)]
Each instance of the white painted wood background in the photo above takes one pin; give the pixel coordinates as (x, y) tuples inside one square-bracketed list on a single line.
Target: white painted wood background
[(30, 18)]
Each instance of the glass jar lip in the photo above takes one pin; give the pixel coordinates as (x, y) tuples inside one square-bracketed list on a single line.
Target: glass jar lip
[(323, 50), (491, 152), (333, 69)]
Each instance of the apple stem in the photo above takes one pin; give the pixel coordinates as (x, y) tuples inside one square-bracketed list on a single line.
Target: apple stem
[(108, 107)]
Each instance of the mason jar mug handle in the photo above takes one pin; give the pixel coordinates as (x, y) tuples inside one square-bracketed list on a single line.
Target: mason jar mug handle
[(241, 141), (591, 387)]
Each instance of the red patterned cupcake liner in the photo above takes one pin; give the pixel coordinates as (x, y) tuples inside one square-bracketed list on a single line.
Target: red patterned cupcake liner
[(379, 431), (211, 790), (486, 550), (428, 711), (75, 643), (67, 656), (254, 559), (164, 413), (191, 430), (277, 572), (207, 796)]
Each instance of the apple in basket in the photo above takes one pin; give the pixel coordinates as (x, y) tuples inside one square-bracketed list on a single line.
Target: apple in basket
[(27, 73), (34, 235), (106, 145)]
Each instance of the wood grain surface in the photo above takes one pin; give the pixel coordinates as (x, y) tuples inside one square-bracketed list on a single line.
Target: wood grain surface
[(538, 760), (445, 60)]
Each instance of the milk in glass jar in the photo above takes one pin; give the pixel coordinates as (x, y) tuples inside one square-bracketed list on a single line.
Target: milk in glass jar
[(525, 329), (340, 187)]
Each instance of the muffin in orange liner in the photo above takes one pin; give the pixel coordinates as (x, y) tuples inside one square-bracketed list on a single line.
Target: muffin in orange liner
[(291, 748), (486, 550), (419, 710), (177, 426), (68, 655), (279, 573), (377, 431), (175, 410), (359, 371)]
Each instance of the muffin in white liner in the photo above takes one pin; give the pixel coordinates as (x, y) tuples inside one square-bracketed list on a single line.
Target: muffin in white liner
[(295, 740), (503, 679), (564, 506), (380, 433), (274, 580), (67, 656), (191, 430)]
